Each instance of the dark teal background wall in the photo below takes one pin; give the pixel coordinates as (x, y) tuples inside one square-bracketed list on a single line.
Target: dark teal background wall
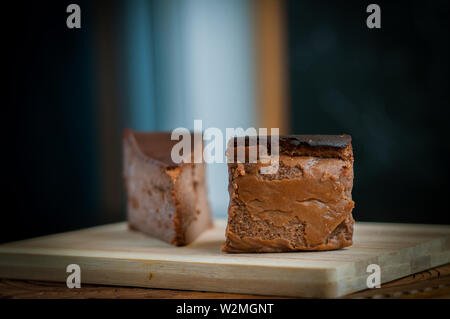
[(50, 173), (388, 88)]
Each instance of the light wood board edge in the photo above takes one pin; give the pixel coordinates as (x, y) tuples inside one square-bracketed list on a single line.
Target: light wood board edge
[(322, 283)]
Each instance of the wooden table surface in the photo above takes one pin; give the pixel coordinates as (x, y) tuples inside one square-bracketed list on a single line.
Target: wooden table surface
[(433, 283)]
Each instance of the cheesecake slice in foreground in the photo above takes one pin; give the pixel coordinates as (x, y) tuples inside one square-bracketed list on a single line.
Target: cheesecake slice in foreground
[(305, 205), (164, 199)]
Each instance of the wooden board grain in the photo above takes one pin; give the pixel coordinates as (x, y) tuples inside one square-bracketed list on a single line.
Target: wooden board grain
[(113, 255)]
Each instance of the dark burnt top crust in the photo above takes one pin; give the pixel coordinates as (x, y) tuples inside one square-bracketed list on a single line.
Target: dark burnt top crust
[(325, 146), (335, 141)]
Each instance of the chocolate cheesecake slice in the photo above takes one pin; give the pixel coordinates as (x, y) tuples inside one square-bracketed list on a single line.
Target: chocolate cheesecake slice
[(165, 200), (305, 205)]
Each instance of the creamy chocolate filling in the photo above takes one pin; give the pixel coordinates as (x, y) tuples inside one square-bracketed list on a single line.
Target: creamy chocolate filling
[(310, 196)]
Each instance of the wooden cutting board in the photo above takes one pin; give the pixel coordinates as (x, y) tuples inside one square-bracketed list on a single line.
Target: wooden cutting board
[(113, 255)]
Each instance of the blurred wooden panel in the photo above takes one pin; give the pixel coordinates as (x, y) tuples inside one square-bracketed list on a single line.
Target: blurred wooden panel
[(271, 59)]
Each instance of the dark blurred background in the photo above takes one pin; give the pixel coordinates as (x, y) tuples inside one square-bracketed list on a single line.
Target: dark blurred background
[(303, 66)]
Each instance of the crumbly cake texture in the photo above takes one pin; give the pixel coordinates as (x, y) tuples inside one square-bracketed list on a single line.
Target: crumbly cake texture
[(306, 205), (164, 199)]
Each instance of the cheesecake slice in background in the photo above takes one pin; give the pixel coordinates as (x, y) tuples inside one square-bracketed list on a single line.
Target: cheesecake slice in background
[(165, 200)]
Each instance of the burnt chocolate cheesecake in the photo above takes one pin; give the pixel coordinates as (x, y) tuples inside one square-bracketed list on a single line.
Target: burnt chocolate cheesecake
[(305, 205), (165, 200)]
